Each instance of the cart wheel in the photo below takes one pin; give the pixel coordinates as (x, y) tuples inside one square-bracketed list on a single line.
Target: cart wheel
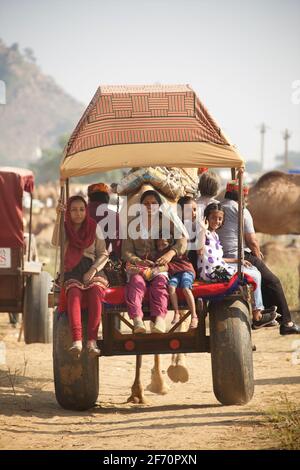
[(231, 351), (36, 318), (76, 381)]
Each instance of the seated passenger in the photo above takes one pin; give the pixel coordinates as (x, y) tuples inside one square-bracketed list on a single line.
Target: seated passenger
[(272, 290), (181, 274), (195, 227), (98, 200), (211, 264), (141, 249), (85, 257)]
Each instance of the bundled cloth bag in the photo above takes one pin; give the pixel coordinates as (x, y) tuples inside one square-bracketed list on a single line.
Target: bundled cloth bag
[(172, 182)]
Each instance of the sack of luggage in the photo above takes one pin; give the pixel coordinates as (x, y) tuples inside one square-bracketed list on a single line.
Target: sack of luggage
[(172, 182)]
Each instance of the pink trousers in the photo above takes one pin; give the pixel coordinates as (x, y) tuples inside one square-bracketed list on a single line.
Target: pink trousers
[(158, 295), (94, 305)]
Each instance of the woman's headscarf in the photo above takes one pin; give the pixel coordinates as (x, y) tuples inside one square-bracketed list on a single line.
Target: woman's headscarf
[(80, 239)]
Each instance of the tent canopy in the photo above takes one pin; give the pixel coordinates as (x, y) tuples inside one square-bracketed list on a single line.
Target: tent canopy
[(22, 177), (150, 125), (13, 181)]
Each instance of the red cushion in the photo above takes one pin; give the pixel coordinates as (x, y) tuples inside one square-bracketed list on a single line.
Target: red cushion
[(116, 295)]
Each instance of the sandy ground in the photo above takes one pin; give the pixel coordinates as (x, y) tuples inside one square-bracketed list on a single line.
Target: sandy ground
[(188, 417)]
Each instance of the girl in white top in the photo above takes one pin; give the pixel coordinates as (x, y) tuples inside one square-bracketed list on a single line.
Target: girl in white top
[(212, 259)]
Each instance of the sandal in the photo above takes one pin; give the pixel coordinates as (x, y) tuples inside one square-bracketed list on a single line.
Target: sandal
[(75, 351), (194, 323), (93, 351)]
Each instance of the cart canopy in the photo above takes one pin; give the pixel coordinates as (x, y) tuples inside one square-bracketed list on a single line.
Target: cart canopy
[(13, 181), (150, 125)]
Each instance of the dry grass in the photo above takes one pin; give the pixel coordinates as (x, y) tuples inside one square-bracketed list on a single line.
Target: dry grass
[(283, 260), (289, 277), (285, 423)]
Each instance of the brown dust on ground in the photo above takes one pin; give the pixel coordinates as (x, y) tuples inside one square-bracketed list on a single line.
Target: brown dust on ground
[(188, 417)]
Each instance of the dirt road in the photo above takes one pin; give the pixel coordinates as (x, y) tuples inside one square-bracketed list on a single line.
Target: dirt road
[(188, 417)]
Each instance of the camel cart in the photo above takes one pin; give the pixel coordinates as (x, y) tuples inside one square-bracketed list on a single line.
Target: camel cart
[(24, 285), (150, 126)]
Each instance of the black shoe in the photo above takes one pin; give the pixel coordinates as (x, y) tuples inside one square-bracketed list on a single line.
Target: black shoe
[(270, 310), (289, 330), (265, 320)]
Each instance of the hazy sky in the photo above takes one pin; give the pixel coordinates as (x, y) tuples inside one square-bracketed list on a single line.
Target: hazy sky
[(241, 57)]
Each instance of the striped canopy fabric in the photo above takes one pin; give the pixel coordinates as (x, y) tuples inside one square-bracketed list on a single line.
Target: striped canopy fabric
[(148, 125)]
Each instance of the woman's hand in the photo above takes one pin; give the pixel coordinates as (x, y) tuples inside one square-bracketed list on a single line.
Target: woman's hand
[(88, 276), (166, 258), (247, 264), (60, 207), (200, 252), (203, 223), (147, 262)]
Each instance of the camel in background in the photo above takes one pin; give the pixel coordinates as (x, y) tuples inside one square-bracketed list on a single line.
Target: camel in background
[(274, 203)]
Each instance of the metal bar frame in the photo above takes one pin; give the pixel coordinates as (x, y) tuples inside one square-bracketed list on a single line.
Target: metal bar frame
[(30, 227)]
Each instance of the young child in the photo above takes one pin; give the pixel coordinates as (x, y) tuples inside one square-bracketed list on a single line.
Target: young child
[(181, 274), (212, 260), (195, 227)]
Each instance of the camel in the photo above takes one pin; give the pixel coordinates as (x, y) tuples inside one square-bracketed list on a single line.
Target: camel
[(177, 371), (274, 202)]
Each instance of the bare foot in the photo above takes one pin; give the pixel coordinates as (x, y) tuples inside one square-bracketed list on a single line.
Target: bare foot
[(194, 323), (176, 318)]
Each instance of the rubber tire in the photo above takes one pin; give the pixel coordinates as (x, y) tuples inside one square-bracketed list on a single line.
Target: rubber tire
[(37, 319), (76, 381), (231, 352)]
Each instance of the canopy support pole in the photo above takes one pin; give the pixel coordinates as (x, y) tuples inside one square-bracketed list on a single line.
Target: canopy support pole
[(67, 189), (62, 237), (240, 225)]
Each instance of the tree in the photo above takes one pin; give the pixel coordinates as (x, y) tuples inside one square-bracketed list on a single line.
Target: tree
[(14, 47), (29, 54), (46, 168)]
